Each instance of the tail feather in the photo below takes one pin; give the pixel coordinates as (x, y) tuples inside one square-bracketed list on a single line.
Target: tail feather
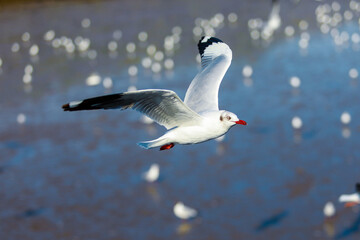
[(153, 143), (146, 145)]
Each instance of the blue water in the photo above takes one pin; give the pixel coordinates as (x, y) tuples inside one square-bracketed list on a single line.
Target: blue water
[(78, 175)]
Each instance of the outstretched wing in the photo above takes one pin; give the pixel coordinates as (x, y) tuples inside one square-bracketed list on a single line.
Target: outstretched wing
[(163, 106), (202, 94)]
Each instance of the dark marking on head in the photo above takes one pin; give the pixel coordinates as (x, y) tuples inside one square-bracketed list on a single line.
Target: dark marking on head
[(221, 118)]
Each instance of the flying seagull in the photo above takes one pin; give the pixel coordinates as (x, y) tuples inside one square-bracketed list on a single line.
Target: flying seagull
[(196, 119)]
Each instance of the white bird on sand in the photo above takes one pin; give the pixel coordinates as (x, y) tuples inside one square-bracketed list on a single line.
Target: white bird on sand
[(153, 173), (184, 212), (197, 119), (351, 199)]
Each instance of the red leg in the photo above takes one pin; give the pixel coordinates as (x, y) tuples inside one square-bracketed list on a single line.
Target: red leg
[(167, 146), (351, 204)]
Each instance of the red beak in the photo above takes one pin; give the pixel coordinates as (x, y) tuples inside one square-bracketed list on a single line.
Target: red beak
[(242, 122)]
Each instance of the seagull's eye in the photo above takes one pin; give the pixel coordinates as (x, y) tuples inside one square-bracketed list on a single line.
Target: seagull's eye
[(228, 118)]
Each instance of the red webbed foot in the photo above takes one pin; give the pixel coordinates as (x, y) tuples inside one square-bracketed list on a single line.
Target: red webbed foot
[(167, 146)]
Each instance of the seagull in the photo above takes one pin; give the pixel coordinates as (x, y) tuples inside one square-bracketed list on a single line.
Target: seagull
[(351, 199), (196, 119), (152, 174), (184, 212)]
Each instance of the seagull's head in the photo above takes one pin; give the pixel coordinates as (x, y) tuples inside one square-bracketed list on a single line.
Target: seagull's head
[(230, 119)]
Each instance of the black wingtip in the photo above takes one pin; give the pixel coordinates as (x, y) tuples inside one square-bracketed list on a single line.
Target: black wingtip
[(69, 108), (111, 101), (206, 41), (66, 107)]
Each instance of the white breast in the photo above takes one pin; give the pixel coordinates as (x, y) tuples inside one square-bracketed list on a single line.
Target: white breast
[(209, 128)]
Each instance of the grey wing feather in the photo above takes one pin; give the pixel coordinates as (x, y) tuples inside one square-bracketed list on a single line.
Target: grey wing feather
[(202, 94), (163, 106)]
